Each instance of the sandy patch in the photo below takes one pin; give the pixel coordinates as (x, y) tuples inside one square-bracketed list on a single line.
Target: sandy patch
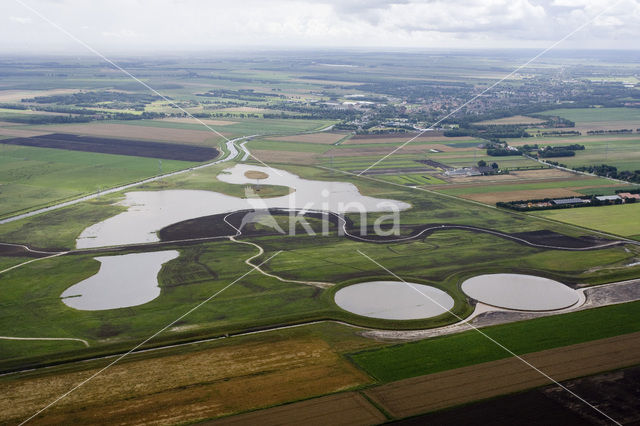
[(255, 174)]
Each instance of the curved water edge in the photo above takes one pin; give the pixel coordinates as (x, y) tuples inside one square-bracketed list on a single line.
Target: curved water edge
[(150, 211), (122, 281), (520, 292), (394, 300)]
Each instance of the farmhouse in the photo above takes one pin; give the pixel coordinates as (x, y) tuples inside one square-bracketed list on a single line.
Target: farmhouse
[(465, 171), (567, 201), (608, 198), (629, 196)]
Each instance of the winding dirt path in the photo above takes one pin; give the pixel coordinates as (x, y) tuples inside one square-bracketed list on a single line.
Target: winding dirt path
[(73, 339), (33, 260), (260, 253)]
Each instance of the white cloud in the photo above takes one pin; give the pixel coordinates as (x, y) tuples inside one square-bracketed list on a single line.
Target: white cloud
[(130, 25), (20, 19)]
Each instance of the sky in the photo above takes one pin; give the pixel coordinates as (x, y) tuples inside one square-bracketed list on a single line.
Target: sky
[(139, 26)]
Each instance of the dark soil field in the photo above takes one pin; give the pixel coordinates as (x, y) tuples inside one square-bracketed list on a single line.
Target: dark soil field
[(130, 147), (215, 226), (433, 392), (555, 239), (616, 393)]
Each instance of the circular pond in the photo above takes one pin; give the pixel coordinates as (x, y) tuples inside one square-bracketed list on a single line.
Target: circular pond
[(393, 300), (522, 292)]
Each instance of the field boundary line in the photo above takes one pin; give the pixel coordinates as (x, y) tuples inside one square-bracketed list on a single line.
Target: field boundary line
[(515, 71), (500, 345), (133, 349)]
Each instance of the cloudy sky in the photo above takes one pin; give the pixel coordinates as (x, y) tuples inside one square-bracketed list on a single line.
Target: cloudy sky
[(202, 25)]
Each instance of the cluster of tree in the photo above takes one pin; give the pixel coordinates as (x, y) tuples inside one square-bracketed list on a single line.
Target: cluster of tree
[(554, 121), (555, 163), (526, 148), (546, 204), (242, 94), (105, 99), (379, 131), (537, 204), (502, 152), (559, 133), (612, 172), (489, 132), (319, 111), (345, 126), (601, 132), (559, 151), (483, 163), (50, 108), (48, 119)]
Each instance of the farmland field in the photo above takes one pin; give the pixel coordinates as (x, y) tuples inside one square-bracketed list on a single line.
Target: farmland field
[(239, 377), (621, 151), (197, 136), (250, 309), (117, 146), (516, 119), (33, 177), (448, 352), (600, 118), (619, 220)]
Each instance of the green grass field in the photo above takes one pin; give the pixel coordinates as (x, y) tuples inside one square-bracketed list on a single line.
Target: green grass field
[(620, 219), (585, 116), (411, 179), (246, 126), (32, 177), (468, 348), (572, 183), (288, 146), (621, 151)]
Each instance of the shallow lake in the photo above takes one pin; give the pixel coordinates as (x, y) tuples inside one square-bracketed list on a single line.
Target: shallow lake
[(150, 211), (522, 292), (122, 281), (393, 300)]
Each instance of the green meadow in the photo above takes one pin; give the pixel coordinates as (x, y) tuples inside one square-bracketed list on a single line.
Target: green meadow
[(35, 177)]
